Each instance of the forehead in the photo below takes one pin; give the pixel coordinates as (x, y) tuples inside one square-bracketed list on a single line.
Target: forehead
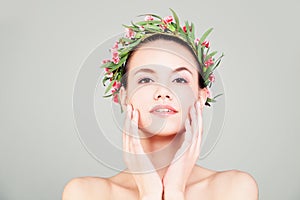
[(163, 53)]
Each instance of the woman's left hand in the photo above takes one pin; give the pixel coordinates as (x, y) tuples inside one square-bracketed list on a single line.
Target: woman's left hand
[(175, 179)]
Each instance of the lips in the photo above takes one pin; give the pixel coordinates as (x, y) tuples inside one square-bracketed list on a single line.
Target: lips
[(163, 110)]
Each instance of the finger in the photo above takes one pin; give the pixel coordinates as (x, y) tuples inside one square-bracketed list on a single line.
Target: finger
[(126, 130), (187, 137), (129, 107), (135, 135), (134, 124), (200, 124), (135, 143), (127, 120), (194, 123), (188, 132)]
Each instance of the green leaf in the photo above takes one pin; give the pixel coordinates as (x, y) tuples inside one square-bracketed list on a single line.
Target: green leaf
[(105, 96), (104, 80), (123, 39), (188, 32), (135, 29), (182, 33), (210, 55), (109, 86), (187, 28), (218, 62), (176, 19), (150, 27), (138, 35), (208, 72), (123, 52), (206, 82), (171, 27), (153, 15), (153, 22), (204, 36), (122, 60), (133, 44), (134, 25), (193, 31), (200, 54), (210, 100), (106, 65), (218, 95)]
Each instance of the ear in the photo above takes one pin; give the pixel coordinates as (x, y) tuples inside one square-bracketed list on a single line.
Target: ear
[(123, 97), (203, 95)]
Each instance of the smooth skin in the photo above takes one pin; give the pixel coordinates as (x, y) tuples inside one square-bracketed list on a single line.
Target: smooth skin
[(182, 178)]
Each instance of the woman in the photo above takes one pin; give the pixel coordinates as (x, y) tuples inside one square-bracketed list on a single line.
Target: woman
[(165, 80)]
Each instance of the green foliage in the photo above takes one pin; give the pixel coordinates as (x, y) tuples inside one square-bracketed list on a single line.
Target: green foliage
[(158, 25)]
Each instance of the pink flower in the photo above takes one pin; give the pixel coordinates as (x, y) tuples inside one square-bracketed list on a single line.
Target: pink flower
[(116, 85), (196, 41), (109, 74), (205, 43), (116, 46), (209, 62), (116, 60), (115, 95), (209, 93), (184, 28), (168, 19), (129, 33), (115, 56), (142, 28), (212, 77), (149, 18), (105, 61), (115, 98), (115, 53), (163, 27)]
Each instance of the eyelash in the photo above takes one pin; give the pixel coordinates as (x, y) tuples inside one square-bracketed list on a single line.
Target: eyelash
[(181, 79), (142, 80)]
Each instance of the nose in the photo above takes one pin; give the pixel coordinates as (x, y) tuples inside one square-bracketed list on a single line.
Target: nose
[(162, 93)]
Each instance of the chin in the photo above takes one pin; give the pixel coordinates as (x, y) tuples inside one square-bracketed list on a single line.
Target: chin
[(162, 126)]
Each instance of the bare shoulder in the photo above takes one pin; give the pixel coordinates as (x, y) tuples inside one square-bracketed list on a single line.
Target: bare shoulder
[(236, 185), (86, 188)]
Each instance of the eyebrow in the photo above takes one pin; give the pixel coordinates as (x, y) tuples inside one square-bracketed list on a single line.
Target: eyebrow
[(154, 72), (181, 69), (145, 70)]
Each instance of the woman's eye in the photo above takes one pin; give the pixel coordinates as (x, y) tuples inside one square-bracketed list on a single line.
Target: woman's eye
[(180, 80), (145, 80)]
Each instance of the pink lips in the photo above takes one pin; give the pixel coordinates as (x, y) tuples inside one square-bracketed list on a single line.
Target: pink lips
[(163, 110)]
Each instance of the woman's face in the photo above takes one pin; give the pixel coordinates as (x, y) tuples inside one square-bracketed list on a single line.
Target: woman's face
[(162, 84)]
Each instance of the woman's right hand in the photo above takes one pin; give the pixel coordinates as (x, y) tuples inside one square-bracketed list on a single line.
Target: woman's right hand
[(149, 183)]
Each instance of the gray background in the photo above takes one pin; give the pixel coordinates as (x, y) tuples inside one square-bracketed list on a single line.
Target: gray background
[(44, 43)]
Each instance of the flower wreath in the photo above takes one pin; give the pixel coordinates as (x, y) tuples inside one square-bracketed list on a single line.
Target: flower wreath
[(152, 24)]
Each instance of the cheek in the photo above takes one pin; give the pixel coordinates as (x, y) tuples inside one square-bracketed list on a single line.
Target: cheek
[(142, 99), (186, 96)]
